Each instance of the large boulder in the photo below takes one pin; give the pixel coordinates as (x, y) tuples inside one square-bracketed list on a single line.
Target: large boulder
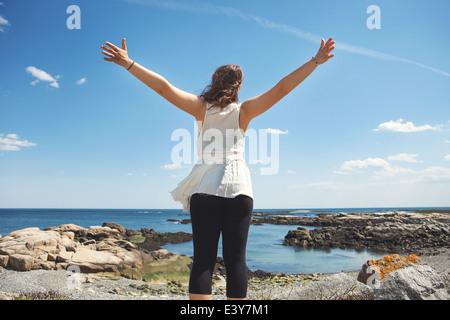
[(21, 262), (414, 282), (89, 260), (298, 237), (374, 271)]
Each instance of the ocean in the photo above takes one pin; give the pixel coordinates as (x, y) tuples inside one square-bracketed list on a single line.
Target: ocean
[(264, 249)]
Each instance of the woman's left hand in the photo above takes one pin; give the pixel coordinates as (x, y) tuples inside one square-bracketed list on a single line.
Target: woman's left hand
[(323, 55)]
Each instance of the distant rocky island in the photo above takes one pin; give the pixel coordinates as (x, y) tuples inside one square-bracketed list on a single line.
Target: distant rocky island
[(418, 232)]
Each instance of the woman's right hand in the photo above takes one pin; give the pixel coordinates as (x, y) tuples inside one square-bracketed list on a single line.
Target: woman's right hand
[(117, 55), (323, 55)]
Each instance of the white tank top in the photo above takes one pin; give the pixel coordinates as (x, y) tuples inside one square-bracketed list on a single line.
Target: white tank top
[(220, 169)]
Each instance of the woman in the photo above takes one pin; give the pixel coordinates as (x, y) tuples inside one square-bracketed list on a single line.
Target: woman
[(218, 191)]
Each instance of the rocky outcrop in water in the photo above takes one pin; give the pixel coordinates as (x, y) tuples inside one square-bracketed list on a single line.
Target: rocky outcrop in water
[(394, 232)]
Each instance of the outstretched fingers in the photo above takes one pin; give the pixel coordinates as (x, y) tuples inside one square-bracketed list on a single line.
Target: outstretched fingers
[(330, 47), (108, 49), (114, 53), (324, 53), (115, 48), (108, 54)]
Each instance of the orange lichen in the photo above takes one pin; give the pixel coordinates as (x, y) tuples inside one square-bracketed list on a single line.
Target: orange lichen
[(391, 263)]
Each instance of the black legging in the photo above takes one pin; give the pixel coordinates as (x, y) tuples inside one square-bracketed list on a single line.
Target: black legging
[(211, 215)]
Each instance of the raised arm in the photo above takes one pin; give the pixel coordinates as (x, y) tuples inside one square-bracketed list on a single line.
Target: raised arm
[(253, 107), (186, 101)]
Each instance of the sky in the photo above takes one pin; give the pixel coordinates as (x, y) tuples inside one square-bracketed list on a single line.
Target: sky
[(369, 128)]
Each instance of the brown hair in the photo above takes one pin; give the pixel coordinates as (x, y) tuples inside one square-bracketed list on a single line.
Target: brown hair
[(224, 86)]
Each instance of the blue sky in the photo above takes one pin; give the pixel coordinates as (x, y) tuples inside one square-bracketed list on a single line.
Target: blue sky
[(369, 128)]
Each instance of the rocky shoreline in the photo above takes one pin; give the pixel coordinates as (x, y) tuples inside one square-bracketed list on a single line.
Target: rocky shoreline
[(59, 284), (111, 262)]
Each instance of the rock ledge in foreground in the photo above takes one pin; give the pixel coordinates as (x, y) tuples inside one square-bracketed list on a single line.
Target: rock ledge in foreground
[(109, 249)]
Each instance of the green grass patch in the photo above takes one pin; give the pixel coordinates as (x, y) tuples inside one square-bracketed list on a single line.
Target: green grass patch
[(137, 238)]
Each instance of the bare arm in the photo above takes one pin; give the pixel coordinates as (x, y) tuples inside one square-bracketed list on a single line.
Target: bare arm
[(186, 101), (253, 107)]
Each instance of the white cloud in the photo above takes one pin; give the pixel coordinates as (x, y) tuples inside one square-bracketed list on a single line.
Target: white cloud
[(435, 174), (172, 166), (41, 75), (12, 142), (276, 131), (129, 174), (401, 126), (81, 81), (3, 22), (390, 171), (353, 165), (447, 141), (405, 157), (385, 168)]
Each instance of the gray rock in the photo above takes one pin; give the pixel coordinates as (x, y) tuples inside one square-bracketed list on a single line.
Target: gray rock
[(338, 286), (415, 282)]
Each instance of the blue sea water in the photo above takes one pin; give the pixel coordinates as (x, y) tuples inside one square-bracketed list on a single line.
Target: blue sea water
[(264, 249)]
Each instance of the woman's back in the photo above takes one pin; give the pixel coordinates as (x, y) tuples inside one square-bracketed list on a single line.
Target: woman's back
[(221, 169), (220, 139)]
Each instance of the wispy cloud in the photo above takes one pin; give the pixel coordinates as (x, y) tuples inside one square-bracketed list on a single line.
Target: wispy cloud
[(41, 75), (3, 22), (81, 81), (401, 126), (211, 9), (172, 166), (435, 174), (352, 166), (447, 157), (404, 157), (276, 131), (12, 142)]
